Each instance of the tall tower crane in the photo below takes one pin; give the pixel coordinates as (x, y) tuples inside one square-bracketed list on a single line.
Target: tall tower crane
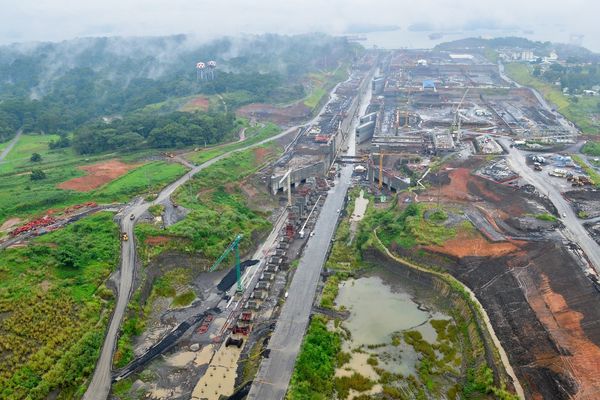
[(456, 121), (233, 246)]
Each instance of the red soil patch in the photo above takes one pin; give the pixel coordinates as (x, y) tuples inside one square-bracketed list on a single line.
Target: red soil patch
[(156, 240), (461, 186), (260, 153), (470, 244), (249, 190), (97, 175), (199, 103)]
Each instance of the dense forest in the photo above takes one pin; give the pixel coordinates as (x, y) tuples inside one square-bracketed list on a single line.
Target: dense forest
[(158, 131), (60, 87)]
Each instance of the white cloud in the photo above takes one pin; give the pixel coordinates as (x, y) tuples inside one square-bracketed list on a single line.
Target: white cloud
[(27, 20)]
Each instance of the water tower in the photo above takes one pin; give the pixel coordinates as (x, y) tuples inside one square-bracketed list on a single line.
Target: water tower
[(211, 69), (200, 67)]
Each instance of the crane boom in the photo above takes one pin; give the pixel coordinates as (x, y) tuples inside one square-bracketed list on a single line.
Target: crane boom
[(233, 246)]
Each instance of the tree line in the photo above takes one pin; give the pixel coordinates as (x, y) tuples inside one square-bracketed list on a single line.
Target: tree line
[(139, 130)]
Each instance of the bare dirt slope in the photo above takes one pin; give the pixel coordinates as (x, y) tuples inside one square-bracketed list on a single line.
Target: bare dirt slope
[(544, 309)]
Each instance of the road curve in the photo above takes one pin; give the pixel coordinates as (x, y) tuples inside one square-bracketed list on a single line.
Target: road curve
[(99, 387), (10, 145)]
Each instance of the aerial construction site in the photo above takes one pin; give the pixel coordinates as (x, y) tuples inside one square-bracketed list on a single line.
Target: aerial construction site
[(407, 224), (445, 133)]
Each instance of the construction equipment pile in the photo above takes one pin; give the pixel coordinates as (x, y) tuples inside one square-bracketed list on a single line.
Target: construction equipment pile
[(33, 225)]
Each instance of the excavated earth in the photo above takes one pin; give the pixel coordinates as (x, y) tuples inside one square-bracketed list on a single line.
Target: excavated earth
[(279, 115), (543, 307)]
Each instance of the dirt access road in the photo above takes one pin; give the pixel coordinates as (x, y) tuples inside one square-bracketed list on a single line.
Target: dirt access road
[(99, 388), (11, 145)]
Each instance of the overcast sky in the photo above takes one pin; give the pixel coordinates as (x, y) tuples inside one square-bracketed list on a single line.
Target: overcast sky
[(35, 20)]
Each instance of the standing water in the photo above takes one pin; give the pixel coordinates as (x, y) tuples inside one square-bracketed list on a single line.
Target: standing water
[(399, 334)]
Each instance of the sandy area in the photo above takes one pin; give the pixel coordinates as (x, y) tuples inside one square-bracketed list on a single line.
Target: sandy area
[(219, 379), (97, 175), (9, 223)]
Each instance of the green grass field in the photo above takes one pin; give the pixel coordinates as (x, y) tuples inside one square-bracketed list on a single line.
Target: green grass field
[(22, 197), (55, 308), (315, 97), (218, 209), (148, 178), (580, 112), (322, 83), (253, 135), (20, 154)]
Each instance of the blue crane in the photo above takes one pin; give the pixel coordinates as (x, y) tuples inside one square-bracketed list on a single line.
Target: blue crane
[(233, 246)]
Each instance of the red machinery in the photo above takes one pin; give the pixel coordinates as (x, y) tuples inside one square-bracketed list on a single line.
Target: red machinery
[(36, 223)]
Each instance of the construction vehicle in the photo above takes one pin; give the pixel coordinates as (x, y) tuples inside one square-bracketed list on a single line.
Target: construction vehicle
[(234, 342), (235, 247), (124, 236)]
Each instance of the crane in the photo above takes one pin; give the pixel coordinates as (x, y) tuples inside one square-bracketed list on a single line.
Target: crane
[(456, 122), (233, 246)]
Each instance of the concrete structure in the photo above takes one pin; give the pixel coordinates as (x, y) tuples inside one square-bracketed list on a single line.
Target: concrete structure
[(378, 85), (365, 132)]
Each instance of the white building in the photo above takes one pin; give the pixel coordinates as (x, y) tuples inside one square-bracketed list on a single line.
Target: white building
[(527, 55)]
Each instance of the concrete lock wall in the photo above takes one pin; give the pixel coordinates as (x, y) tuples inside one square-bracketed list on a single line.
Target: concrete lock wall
[(392, 182), (298, 175)]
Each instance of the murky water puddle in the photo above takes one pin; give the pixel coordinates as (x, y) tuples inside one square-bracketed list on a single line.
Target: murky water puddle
[(382, 307)]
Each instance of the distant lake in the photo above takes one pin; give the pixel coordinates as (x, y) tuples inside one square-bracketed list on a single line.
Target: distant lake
[(404, 38)]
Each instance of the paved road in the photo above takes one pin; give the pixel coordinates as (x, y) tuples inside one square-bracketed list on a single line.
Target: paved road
[(10, 145), (275, 372), (99, 388), (273, 377), (574, 230)]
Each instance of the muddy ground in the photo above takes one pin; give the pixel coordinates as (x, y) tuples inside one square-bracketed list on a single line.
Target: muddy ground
[(586, 203), (544, 308), (280, 115)]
